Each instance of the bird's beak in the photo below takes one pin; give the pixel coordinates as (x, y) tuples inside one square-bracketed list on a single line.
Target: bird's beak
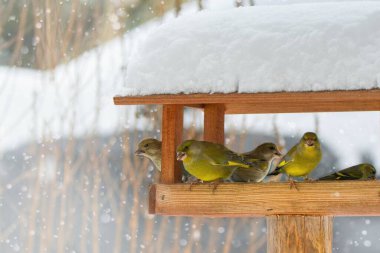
[(181, 156), (278, 154), (139, 152), (310, 142)]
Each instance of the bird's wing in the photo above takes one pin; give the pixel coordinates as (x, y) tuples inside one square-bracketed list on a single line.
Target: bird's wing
[(225, 163), (219, 155), (250, 175), (288, 158), (346, 174), (239, 160), (284, 162)]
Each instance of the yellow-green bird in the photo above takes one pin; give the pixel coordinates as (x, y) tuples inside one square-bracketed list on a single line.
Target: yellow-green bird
[(209, 161), (262, 159), (301, 159), (363, 171), (151, 149)]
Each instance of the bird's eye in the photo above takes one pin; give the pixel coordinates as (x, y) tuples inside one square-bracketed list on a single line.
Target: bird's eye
[(272, 148), (146, 145)]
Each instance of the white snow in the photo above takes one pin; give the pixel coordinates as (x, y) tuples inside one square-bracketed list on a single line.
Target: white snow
[(296, 47), (37, 105)]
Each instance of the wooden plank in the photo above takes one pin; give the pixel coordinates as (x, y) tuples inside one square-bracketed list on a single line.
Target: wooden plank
[(171, 134), (343, 198), (276, 102), (214, 123), (301, 234), (300, 106)]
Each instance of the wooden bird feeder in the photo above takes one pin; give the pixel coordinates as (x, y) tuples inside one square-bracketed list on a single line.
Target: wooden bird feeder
[(298, 221)]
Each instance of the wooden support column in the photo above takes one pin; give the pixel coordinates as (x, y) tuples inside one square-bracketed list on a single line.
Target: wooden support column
[(172, 127), (214, 123), (298, 233)]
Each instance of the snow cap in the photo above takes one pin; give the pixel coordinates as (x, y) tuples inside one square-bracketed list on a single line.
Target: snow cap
[(299, 47)]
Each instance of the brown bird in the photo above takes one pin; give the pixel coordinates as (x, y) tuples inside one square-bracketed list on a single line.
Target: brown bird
[(151, 149), (262, 159)]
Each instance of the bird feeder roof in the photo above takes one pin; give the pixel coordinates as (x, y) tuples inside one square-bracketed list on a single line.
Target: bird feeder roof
[(299, 47)]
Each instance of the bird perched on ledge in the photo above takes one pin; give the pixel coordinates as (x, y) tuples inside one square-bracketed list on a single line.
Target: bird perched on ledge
[(151, 149), (209, 161), (262, 159), (363, 171), (301, 159)]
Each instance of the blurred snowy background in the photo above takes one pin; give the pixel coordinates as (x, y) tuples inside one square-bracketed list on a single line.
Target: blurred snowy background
[(68, 179)]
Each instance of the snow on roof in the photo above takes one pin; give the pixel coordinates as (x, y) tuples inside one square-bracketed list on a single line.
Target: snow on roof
[(299, 47)]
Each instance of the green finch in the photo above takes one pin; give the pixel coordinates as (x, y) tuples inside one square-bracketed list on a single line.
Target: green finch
[(263, 157), (363, 171), (301, 158), (151, 149), (209, 161)]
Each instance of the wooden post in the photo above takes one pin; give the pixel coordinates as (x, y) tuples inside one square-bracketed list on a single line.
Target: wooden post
[(301, 234), (172, 127), (214, 123)]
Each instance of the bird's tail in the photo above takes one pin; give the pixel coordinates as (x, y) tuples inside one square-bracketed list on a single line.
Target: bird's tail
[(333, 176), (275, 172), (339, 176)]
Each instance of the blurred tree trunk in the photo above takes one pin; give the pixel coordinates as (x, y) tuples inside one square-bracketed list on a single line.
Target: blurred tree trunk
[(200, 5), (238, 3), (177, 6)]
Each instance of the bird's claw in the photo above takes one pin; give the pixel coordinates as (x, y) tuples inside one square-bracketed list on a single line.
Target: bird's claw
[(307, 179), (215, 185), (194, 182), (292, 184)]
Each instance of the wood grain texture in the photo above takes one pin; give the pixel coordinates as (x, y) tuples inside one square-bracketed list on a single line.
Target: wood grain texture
[(301, 234), (152, 195), (303, 107), (214, 123), (343, 198), (275, 102), (171, 134)]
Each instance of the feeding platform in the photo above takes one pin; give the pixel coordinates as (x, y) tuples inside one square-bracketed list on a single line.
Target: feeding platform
[(298, 221), (343, 198)]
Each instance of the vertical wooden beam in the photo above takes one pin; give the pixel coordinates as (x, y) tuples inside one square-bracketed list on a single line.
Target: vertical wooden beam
[(171, 134), (214, 123), (152, 199), (301, 234)]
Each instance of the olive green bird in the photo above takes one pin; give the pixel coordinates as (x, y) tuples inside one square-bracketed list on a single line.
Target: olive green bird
[(209, 161), (151, 149), (363, 171), (262, 159), (301, 159)]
